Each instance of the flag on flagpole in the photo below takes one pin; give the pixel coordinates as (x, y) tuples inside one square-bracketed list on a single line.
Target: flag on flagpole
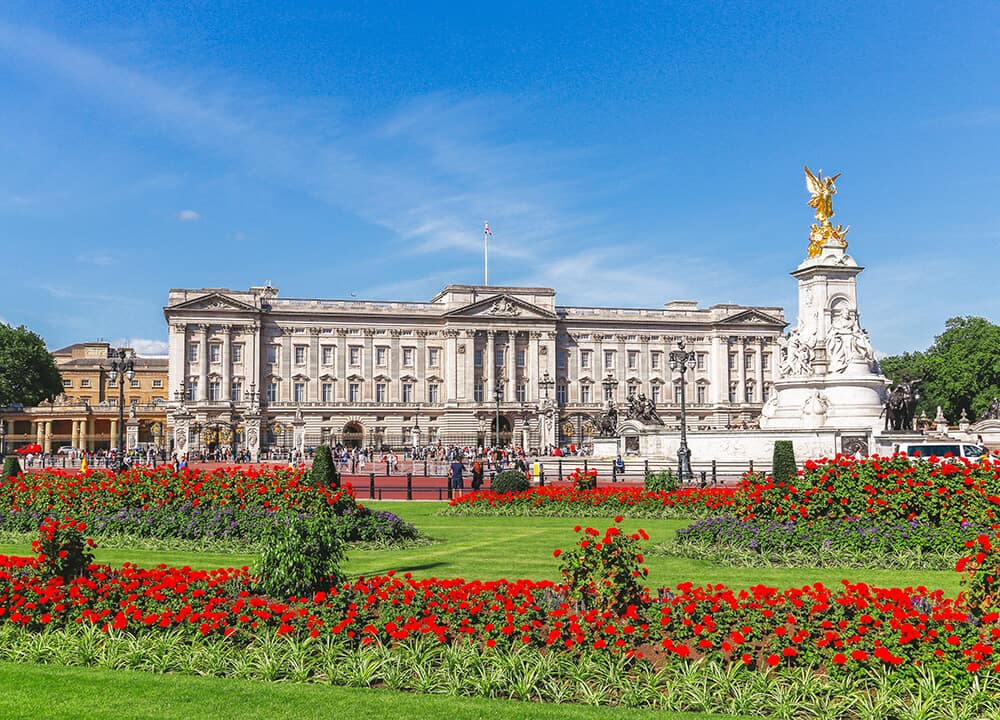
[(486, 252)]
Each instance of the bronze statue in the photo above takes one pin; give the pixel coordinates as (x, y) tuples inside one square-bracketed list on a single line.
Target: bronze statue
[(607, 424), (993, 411)]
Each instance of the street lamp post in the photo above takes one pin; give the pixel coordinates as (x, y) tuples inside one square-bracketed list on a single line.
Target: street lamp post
[(498, 396), (122, 368), (546, 383), (680, 361)]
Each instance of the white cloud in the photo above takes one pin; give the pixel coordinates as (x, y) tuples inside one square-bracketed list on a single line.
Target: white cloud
[(188, 216), (144, 347)]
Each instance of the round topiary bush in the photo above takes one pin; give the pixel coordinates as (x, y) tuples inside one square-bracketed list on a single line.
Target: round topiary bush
[(510, 481)]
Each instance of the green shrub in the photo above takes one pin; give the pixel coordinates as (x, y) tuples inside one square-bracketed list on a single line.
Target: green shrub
[(11, 466), (605, 574), (783, 461), (299, 557), (324, 469), (510, 481), (62, 549), (664, 481)]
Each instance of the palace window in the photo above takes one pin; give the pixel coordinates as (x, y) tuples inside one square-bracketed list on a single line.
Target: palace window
[(609, 358), (520, 358), (326, 392), (214, 390), (498, 357), (561, 359), (521, 392), (67, 383), (633, 359), (748, 393), (86, 383), (381, 392), (677, 393), (235, 390), (272, 391), (561, 394), (654, 393), (765, 361), (733, 390), (112, 383), (300, 355), (381, 354), (477, 392), (354, 392), (654, 360), (700, 394), (407, 392), (701, 361), (732, 361), (633, 389), (192, 352), (477, 358), (407, 357), (354, 355), (434, 393), (433, 355), (192, 390), (134, 383), (214, 353), (272, 354), (237, 353), (299, 392), (765, 392), (327, 355), (585, 359), (748, 361), (585, 393)]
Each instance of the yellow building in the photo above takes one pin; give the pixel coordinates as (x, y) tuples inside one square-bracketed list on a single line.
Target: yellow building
[(85, 416)]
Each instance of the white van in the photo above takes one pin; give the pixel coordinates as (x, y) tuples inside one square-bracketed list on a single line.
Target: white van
[(970, 451)]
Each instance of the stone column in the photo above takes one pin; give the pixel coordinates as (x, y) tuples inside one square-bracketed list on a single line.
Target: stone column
[(489, 364), (38, 431), (620, 370), (227, 364), (287, 352), (420, 367), (202, 362), (758, 390), (509, 393), (465, 388), (177, 363), (47, 445), (341, 359), (313, 388), (131, 433), (718, 371), (114, 433), (451, 360), (534, 374), (368, 367), (74, 433), (395, 371), (741, 369)]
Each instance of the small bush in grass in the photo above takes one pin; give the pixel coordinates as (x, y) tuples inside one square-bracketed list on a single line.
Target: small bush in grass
[(62, 549), (299, 557), (510, 481), (981, 574), (664, 481), (783, 460), (605, 573), (11, 466)]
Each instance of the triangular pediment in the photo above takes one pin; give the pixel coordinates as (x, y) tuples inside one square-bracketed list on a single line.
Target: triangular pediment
[(752, 317), (503, 307), (214, 301)]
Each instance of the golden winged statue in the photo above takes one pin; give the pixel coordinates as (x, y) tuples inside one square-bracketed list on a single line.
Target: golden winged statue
[(822, 189)]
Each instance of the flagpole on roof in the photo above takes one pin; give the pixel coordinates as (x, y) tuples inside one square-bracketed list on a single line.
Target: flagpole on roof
[(486, 252)]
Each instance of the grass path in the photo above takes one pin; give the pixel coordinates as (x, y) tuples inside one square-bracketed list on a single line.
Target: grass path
[(38, 692)]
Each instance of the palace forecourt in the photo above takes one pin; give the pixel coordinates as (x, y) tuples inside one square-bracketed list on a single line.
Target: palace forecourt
[(249, 369)]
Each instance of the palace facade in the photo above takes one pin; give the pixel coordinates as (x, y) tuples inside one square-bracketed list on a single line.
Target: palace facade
[(248, 368)]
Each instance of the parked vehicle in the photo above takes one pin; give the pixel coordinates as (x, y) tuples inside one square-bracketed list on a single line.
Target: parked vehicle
[(970, 451)]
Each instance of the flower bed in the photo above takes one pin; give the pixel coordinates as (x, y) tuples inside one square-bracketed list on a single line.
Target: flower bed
[(227, 504), (568, 501)]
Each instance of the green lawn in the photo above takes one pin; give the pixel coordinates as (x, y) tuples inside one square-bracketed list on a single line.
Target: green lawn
[(518, 547), (36, 692)]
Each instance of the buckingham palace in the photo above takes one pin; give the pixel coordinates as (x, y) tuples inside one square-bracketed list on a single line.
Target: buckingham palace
[(251, 370)]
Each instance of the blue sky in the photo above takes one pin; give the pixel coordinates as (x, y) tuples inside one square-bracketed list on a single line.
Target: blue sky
[(623, 155)]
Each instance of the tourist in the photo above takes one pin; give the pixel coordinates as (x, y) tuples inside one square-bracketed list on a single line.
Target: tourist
[(457, 468), (477, 474)]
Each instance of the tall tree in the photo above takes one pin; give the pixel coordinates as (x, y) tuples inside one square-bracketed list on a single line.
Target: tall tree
[(28, 374), (960, 371)]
